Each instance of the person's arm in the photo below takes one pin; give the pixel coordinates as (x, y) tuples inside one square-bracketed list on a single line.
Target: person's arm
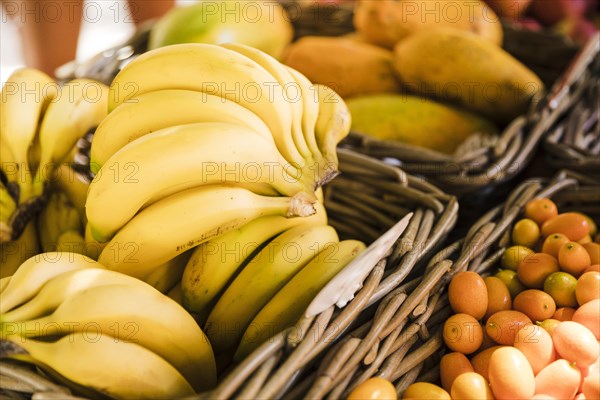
[(143, 10), (49, 30)]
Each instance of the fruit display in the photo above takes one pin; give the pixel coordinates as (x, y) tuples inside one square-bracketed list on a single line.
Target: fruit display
[(203, 224), (537, 339), (432, 52)]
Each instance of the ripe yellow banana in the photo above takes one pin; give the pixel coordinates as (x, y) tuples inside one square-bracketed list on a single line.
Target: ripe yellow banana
[(70, 183), (176, 294), (35, 272), (15, 252), (134, 313), (113, 367), (186, 219), (287, 306), (57, 217), (287, 84), (153, 111), (4, 282), (62, 287), (71, 241), (333, 122), (178, 158), (80, 106), (215, 70), (215, 262), (169, 274), (261, 279), (7, 208), (25, 95)]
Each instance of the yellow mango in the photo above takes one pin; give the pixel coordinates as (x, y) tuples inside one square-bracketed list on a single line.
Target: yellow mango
[(387, 22), (416, 121), (461, 67), (347, 65)]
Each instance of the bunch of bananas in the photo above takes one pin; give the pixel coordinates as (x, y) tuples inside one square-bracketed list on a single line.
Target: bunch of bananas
[(40, 124), (102, 330), (200, 140)]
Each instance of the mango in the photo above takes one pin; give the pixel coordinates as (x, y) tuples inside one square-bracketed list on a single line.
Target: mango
[(461, 67), (387, 22), (347, 65), (263, 25), (416, 121)]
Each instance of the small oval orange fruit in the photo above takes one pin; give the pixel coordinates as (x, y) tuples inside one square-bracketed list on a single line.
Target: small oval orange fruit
[(553, 243), (511, 376), (573, 258), (533, 269), (588, 287), (573, 225), (452, 365), (575, 343), (502, 327), (525, 233), (536, 304), (467, 294), (498, 296), (561, 286), (541, 210), (462, 333)]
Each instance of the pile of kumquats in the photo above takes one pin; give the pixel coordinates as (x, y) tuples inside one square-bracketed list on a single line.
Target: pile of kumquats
[(531, 331)]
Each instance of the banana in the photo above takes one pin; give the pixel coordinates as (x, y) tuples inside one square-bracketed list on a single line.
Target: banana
[(286, 81), (63, 286), (215, 262), (261, 279), (81, 105), (186, 219), (333, 122), (116, 368), (4, 282), (287, 306), (135, 313), (153, 111), (66, 180), (35, 272), (169, 274), (25, 95), (57, 217), (71, 241), (93, 248), (7, 208), (176, 293), (178, 158), (310, 105), (215, 70), (14, 253)]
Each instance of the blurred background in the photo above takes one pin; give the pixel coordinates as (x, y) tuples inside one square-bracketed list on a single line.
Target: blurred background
[(94, 37)]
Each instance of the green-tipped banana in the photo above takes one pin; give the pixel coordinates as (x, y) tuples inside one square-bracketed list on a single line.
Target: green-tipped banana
[(62, 287), (215, 262), (166, 276), (186, 219), (35, 272), (178, 158), (287, 306), (25, 96), (153, 111), (114, 367), (215, 70), (58, 217), (80, 106), (261, 279), (132, 313)]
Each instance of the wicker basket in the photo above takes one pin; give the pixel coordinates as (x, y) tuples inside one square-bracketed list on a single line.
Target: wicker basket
[(366, 200)]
